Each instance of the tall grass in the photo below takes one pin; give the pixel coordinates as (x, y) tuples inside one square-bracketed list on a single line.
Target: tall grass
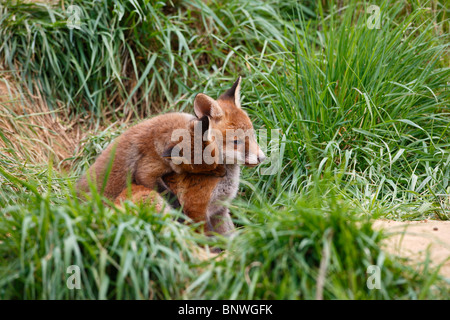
[(120, 255), (315, 248), (369, 104), (130, 58), (318, 247)]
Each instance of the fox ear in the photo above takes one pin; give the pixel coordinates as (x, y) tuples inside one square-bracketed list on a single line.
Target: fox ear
[(234, 93), (207, 106), (167, 153), (205, 125), (173, 154)]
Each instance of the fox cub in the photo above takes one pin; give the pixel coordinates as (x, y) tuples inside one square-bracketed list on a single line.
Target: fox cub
[(202, 196), (144, 153)]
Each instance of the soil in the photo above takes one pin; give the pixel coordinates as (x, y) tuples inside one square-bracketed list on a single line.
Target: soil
[(411, 239)]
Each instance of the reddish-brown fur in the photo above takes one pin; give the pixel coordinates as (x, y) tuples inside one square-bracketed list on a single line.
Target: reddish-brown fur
[(141, 194), (194, 190), (138, 156)]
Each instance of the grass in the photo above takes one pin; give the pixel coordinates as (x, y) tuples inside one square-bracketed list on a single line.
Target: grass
[(139, 254), (121, 255), (315, 248), (371, 104), (128, 58), (363, 116)]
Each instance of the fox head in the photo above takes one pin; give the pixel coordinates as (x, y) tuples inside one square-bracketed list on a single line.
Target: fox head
[(229, 127)]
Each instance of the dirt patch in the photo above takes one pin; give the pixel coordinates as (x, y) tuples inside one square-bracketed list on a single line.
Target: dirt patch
[(411, 239)]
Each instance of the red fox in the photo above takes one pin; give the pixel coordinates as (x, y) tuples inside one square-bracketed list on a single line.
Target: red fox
[(201, 195), (143, 154)]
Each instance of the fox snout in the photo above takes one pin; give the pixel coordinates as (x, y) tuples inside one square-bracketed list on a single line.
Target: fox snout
[(252, 160), (261, 157)]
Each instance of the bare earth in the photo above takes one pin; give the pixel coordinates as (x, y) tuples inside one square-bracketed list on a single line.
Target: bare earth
[(410, 239)]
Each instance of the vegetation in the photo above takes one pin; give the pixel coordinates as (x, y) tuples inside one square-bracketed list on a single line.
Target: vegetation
[(363, 115)]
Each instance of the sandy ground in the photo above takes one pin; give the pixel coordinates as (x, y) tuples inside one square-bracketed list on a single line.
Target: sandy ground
[(410, 239)]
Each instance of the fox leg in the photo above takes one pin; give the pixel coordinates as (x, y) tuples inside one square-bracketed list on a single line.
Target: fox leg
[(193, 192), (197, 212), (221, 222)]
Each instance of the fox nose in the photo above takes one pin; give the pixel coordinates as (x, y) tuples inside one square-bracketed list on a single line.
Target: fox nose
[(261, 158)]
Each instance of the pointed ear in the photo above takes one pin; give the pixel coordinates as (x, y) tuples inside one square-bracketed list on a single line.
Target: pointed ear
[(234, 93), (173, 154), (206, 106), (205, 123), (168, 153), (173, 151)]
